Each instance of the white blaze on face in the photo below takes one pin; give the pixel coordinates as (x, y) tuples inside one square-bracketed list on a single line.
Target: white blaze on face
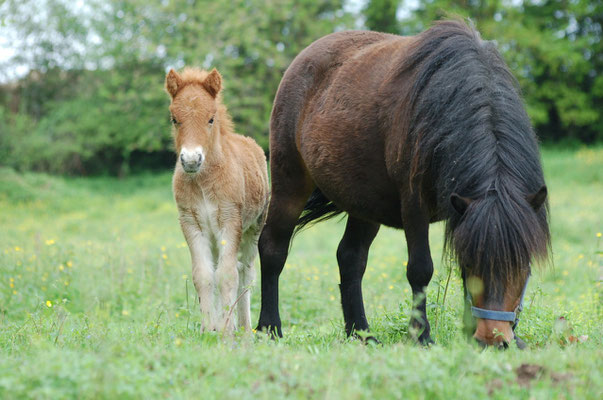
[(192, 159)]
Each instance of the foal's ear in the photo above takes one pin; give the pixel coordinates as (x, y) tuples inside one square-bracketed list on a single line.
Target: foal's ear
[(537, 199), (213, 82), (460, 203), (173, 82)]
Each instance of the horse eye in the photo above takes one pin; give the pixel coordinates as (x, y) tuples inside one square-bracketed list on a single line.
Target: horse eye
[(174, 121), (211, 121)]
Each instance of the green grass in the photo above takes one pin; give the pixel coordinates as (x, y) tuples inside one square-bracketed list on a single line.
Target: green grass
[(96, 302)]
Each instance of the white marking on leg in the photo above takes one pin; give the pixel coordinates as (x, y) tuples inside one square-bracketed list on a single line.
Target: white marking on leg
[(227, 276), (202, 272), (247, 254)]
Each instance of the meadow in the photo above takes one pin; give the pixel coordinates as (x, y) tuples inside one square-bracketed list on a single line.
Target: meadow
[(96, 302)]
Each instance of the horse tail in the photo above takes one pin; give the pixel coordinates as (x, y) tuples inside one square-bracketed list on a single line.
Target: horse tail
[(318, 208)]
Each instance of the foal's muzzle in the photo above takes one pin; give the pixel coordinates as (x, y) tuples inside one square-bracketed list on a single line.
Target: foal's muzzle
[(191, 159)]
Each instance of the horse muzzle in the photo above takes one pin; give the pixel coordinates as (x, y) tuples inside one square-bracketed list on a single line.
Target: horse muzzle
[(192, 159)]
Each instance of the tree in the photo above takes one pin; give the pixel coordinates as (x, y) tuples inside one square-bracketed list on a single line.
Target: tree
[(381, 16), (553, 47)]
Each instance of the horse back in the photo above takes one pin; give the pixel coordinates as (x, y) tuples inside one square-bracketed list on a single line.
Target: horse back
[(326, 119)]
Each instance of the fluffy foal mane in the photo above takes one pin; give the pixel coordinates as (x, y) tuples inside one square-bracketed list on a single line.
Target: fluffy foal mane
[(468, 130), (196, 76)]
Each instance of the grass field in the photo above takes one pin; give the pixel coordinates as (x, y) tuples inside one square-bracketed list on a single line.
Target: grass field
[(96, 302)]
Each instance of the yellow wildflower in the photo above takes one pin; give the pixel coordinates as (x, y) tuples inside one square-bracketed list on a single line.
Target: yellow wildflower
[(598, 234), (125, 312), (61, 267), (69, 264), (184, 276), (164, 256), (223, 242), (391, 287), (178, 342), (17, 248), (48, 303), (12, 285), (50, 242)]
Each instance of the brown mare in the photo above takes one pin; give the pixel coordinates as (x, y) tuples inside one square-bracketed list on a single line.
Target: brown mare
[(406, 131), (221, 188)]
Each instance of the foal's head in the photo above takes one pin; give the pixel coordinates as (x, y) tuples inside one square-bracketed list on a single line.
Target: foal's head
[(495, 240), (196, 112)]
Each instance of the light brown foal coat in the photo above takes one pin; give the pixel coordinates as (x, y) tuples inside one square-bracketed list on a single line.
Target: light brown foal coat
[(220, 185)]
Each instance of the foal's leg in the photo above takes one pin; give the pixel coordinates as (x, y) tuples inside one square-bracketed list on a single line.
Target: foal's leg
[(289, 196), (227, 273), (203, 273), (352, 255), (248, 252), (420, 267)]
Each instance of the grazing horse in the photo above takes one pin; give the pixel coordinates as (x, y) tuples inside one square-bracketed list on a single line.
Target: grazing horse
[(220, 185), (406, 131)]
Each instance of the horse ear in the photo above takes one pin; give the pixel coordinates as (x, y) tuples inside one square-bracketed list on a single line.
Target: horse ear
[(460, 203), (213, 82), (173, 82), (537, 199)]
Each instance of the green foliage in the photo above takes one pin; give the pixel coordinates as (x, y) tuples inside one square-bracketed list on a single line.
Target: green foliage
[(110, 108), (93, 100), (554, 48), (381, 16), (108, 256)]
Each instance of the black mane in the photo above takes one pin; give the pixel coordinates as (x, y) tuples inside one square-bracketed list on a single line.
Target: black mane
[(470, 133)]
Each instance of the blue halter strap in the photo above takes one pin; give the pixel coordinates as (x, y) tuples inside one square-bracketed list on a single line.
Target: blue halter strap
[(510, 316)]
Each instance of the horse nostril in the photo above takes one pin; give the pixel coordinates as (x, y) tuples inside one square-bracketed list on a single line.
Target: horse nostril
[(498, 345), (182, 158)]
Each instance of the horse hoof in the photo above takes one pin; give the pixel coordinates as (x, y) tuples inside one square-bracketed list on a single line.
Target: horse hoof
[(426, 342), (273, 331)]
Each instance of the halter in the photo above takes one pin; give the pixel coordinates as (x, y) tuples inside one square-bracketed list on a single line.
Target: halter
[(510, 316)]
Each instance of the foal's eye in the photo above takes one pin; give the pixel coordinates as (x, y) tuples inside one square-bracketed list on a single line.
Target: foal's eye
[(174, 120), (211, 120)]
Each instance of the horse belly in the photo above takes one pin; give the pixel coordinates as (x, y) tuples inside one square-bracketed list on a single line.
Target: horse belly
[(352, 174)]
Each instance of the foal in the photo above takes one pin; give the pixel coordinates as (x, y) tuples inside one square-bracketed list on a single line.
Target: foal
[(220, 185)]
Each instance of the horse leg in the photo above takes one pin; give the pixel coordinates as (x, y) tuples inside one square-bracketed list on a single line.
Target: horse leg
[(202, 271), (352, 255), (289, 196), (420, 267), (246, 275), (227, 273)]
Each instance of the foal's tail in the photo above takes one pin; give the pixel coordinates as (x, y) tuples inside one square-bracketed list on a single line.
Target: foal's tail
[(318, 208)]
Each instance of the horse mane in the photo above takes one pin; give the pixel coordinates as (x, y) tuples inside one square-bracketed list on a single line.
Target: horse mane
[(196, 76), (467, 130)]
